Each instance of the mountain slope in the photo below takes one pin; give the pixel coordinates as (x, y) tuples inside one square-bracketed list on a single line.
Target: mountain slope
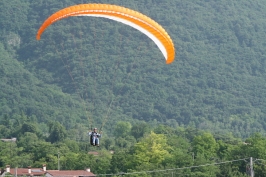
[(217, 81), (21, 91)]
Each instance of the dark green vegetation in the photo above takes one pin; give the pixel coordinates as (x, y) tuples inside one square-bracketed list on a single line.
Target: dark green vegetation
[(138, 148), (116, 73), (95, 72)]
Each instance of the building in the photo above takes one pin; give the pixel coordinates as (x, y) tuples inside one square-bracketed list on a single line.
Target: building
[(23, 171), (9, 140), (43, 172), (69, 173)]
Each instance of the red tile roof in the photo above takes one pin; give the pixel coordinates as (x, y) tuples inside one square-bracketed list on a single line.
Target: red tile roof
[(74, 173), (24, 171)]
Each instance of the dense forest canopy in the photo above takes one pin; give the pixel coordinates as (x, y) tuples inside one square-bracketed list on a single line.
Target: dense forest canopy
[(92, 70), (208, 107)]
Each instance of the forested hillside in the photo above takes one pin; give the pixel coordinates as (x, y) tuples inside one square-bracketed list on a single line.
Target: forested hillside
[(202, 115), (94, 71)]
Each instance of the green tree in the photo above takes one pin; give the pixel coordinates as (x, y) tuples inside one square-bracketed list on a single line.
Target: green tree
[(152, 149), (204, 171), (108, 143), (5, 132), (57, 132), (181, 156), (102, 162), (28, 127), (205, 145), (69, 161), (28, 141), (120, 161), (43, 150), (254, 146), (72, 145), (138, 130), (122, 129)]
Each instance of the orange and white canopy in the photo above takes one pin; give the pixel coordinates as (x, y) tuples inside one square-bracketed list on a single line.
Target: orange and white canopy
[(121, 14)]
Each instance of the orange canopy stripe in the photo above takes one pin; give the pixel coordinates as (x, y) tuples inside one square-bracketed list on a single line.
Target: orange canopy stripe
[(124, 15)]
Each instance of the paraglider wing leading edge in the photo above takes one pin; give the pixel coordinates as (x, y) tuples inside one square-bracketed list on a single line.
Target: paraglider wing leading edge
[(124, 15)]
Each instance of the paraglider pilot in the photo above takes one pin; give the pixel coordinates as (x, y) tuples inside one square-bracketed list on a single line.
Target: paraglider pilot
[(94, 137)]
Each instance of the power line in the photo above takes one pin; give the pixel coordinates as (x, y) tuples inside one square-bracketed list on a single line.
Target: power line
[(154, 171)]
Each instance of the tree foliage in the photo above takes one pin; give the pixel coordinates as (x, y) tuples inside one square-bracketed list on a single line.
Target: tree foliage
[(92, 72)]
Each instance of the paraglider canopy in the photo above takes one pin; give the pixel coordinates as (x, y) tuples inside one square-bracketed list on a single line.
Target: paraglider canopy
[(121, 14)]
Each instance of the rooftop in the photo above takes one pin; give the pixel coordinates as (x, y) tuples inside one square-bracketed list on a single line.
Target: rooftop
[(74, 173), (9, 140), (49, 173), (25, 171)]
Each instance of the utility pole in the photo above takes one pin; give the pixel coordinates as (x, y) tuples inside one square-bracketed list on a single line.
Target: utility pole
[(58, 157), (10, 150), (251, 167)]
